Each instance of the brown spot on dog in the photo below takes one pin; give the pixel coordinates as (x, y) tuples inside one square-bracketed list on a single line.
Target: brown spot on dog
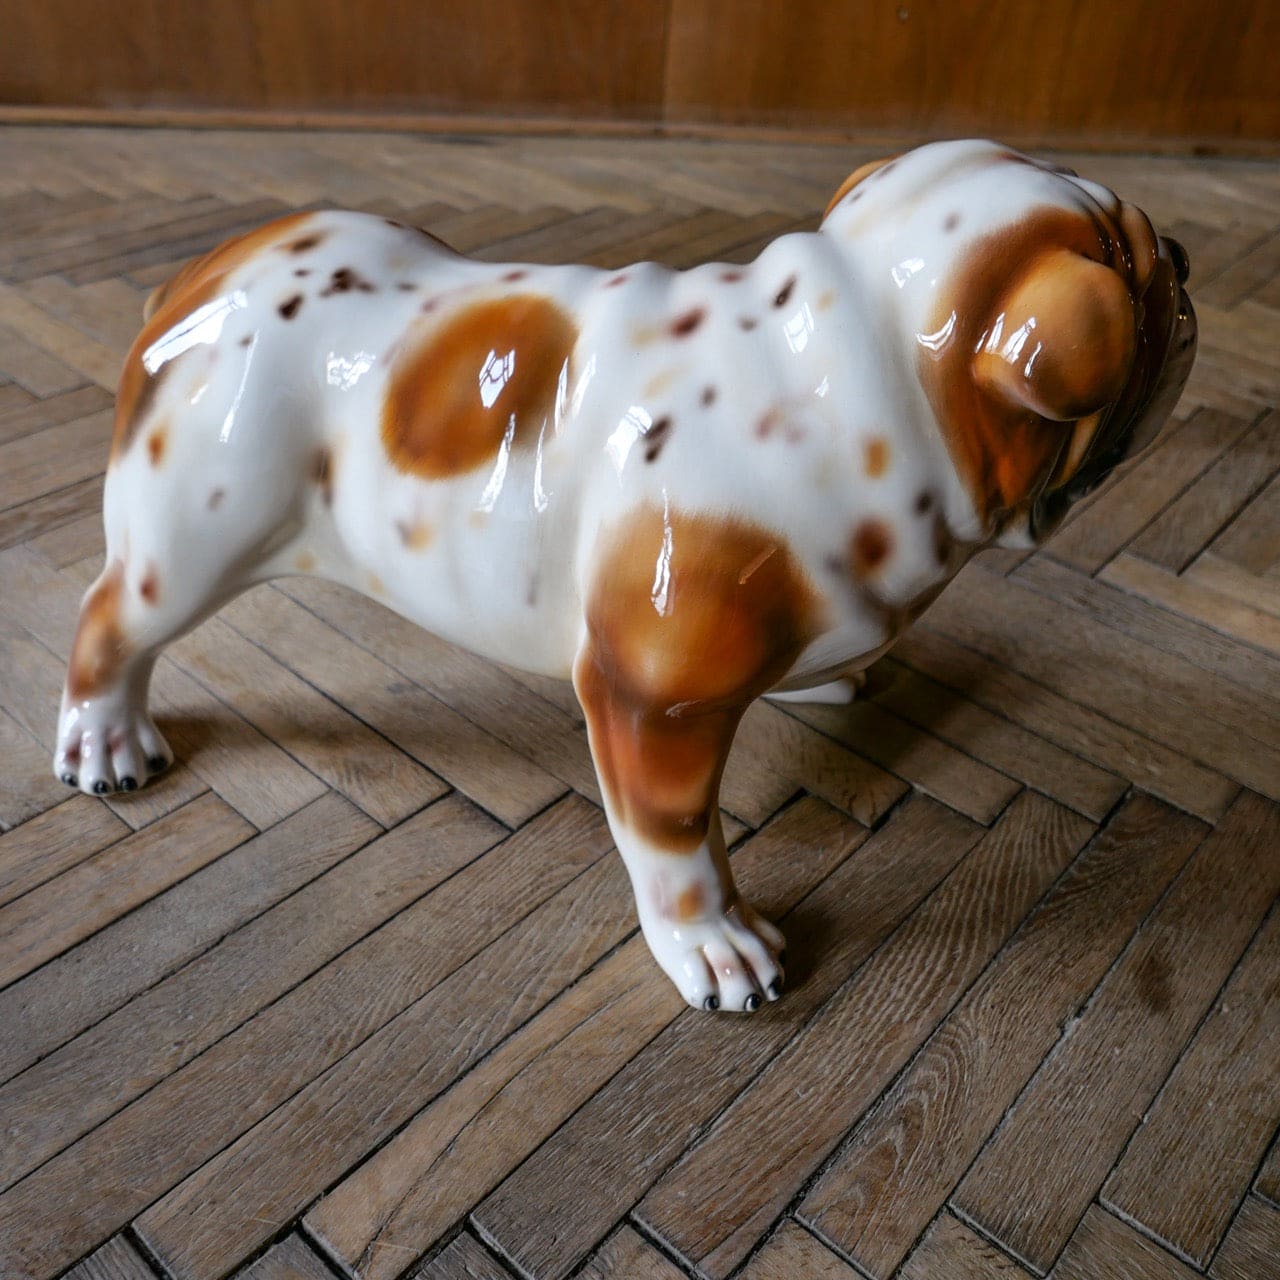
[(731, 277), (247, 340), (304, 562), (614, 281), (951, 222), (870, 547), (512, 276), (215, 499), (305, 244), (708, 397), (197, 284), (655, 438), (149, 587), (343, 280), (859, 175), (302, 272), (691, 904), (662, 381), (924, 502), (289, 309), (483, 379), (406, 286), (746, 323), (682, 326), (157, 443), (415, 535), (99, 648), (322, 474), (875, 456), (1054, 333), (826, 300), (783, 296), (689, 619)]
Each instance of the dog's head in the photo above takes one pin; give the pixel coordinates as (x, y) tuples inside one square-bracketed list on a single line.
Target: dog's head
[(1050, 330)]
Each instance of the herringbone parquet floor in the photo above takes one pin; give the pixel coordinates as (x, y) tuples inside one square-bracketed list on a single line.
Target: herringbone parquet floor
[(356, 989)]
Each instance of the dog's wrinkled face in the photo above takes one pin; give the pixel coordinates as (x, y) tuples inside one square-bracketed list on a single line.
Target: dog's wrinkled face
[(1052, 333)]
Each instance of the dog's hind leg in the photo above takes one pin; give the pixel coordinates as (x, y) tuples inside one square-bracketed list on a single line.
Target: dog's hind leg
[(180, 543)]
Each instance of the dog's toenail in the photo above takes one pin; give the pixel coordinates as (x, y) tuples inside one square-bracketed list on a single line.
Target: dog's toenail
[(128, 784), (775, 988), (155, 763), (101, 787), (70, 779), (711, 1004), (753, 1003)]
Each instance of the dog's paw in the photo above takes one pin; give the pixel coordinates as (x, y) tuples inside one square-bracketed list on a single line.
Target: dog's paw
[(731, 962), (106, 746)]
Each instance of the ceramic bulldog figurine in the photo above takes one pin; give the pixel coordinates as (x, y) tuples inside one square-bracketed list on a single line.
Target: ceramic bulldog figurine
[(682, 489)]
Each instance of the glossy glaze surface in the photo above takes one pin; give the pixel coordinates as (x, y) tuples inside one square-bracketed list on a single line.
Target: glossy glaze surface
[(683, 489)]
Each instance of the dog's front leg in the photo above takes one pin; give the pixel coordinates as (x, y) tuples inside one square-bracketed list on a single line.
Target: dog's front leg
[(660, 774)]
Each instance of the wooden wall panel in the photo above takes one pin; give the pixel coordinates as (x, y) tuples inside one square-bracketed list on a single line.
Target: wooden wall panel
[(1107, 69), (602, 58), (1126, 72)]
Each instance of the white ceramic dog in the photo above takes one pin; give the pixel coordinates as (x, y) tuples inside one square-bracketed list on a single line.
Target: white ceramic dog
[(681, 488)]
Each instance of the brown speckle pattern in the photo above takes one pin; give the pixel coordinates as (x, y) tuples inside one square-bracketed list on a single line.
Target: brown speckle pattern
[(656, 437), (216, 497), (157, 445), (149, 587), (344, 280), (783, 296), (875, 456), (708, 397), (682, 326), (290, 307), (305, 243), (870, 547)]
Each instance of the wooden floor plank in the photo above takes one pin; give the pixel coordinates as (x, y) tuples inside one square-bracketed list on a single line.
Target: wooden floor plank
[(115, 1260), (951, 1251), (55, 840), (138, 950), (792, 1251), (85, 1190), (1163, 983), (1191, 1162), (716, 1203), (87, 896), (465, 1259), (1252, 539), (1129, 753), (627, 1256), (902, 1164), (291, 1259), (550, 1213), (467, 1141), (1104, 1248), (1251, 1250)]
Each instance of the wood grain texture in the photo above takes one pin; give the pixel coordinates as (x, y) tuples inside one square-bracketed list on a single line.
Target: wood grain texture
[(952, 1250), (291, 1259), (442, 1049), (737, 1177), (115, 1260), (1163, 982), (627, 1256), (550, 1213), (1080, 72), (792, 1251), (1251, 1250), (885, 1185), (1190, 1164), (1104, 1248)]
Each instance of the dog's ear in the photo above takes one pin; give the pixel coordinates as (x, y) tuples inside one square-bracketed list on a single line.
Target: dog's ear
[(1061, 341), (861, 174)]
